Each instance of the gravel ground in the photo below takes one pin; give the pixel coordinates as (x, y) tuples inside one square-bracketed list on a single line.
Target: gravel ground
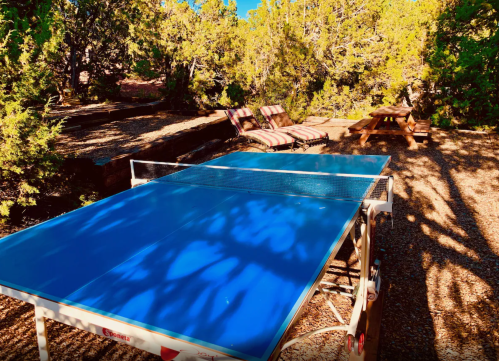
[(71, 110), (123, 136), (440, 263)]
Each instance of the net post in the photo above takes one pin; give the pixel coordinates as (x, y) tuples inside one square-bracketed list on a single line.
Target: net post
[(134, 182), (390, 189), (133, 171)]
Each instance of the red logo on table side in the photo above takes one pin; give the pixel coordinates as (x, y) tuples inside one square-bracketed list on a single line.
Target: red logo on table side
[(110, 333), (167, 354)]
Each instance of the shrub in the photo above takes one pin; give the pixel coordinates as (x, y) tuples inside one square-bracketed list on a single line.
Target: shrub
[(105, 87), (144, 70), (464, 65), (27, 155)]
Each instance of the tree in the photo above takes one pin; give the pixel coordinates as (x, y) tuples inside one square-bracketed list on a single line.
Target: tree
[(95, 47), (463, 59), (29, 42), (322, 56), (27, 158), (30, 35), (193, 52)]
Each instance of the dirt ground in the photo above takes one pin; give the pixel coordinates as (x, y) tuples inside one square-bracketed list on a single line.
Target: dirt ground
[(141, 88), (439, 263), (123, 136)]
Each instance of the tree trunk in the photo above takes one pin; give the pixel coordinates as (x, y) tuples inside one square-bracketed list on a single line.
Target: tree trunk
[(74, 73), (192, 69)]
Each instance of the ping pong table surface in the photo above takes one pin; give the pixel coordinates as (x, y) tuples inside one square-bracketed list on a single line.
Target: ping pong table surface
[(220, 268)]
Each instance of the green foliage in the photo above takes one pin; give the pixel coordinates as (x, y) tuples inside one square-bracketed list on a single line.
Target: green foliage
[(104, 87), (326, 57), (143, 68), (232, 96), (87, 199), (29, 43), (30, 36), (341, 102), (95, 46), (27, 157), (463, 57), (193, 52), (339, 59)]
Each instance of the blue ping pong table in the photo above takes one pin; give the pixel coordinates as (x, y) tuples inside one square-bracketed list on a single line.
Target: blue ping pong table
[(186, 269)]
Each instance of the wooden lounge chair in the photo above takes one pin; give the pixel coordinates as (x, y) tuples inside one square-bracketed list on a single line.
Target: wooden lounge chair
[(248, 127), (279, 121)]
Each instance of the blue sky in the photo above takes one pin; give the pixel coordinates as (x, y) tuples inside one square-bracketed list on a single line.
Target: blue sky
[(243, 6)]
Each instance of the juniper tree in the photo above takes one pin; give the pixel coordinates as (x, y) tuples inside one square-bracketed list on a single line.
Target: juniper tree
[(29, 44)]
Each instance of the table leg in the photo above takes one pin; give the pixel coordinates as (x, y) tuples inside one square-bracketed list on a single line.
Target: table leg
[(405, 127), (411, 122), (41, 333), (388, 120), (370, 126)]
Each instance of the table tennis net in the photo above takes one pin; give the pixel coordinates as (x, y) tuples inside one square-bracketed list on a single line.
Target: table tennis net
[(326, 185)]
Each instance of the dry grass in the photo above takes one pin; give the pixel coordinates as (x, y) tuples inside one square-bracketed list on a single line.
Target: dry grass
[(440, 263)]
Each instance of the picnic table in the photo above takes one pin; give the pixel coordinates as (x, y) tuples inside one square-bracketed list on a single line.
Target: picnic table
[(386, 117)]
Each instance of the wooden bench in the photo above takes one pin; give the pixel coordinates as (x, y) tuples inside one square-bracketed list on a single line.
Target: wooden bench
[(359, 125), (422, 126), (422, 129)]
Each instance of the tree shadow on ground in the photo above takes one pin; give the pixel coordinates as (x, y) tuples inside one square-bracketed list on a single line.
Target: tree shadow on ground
[(123, 136), (441, 258), (439, 261)]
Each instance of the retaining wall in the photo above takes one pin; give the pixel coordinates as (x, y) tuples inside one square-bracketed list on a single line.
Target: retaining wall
[(113, 175)]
